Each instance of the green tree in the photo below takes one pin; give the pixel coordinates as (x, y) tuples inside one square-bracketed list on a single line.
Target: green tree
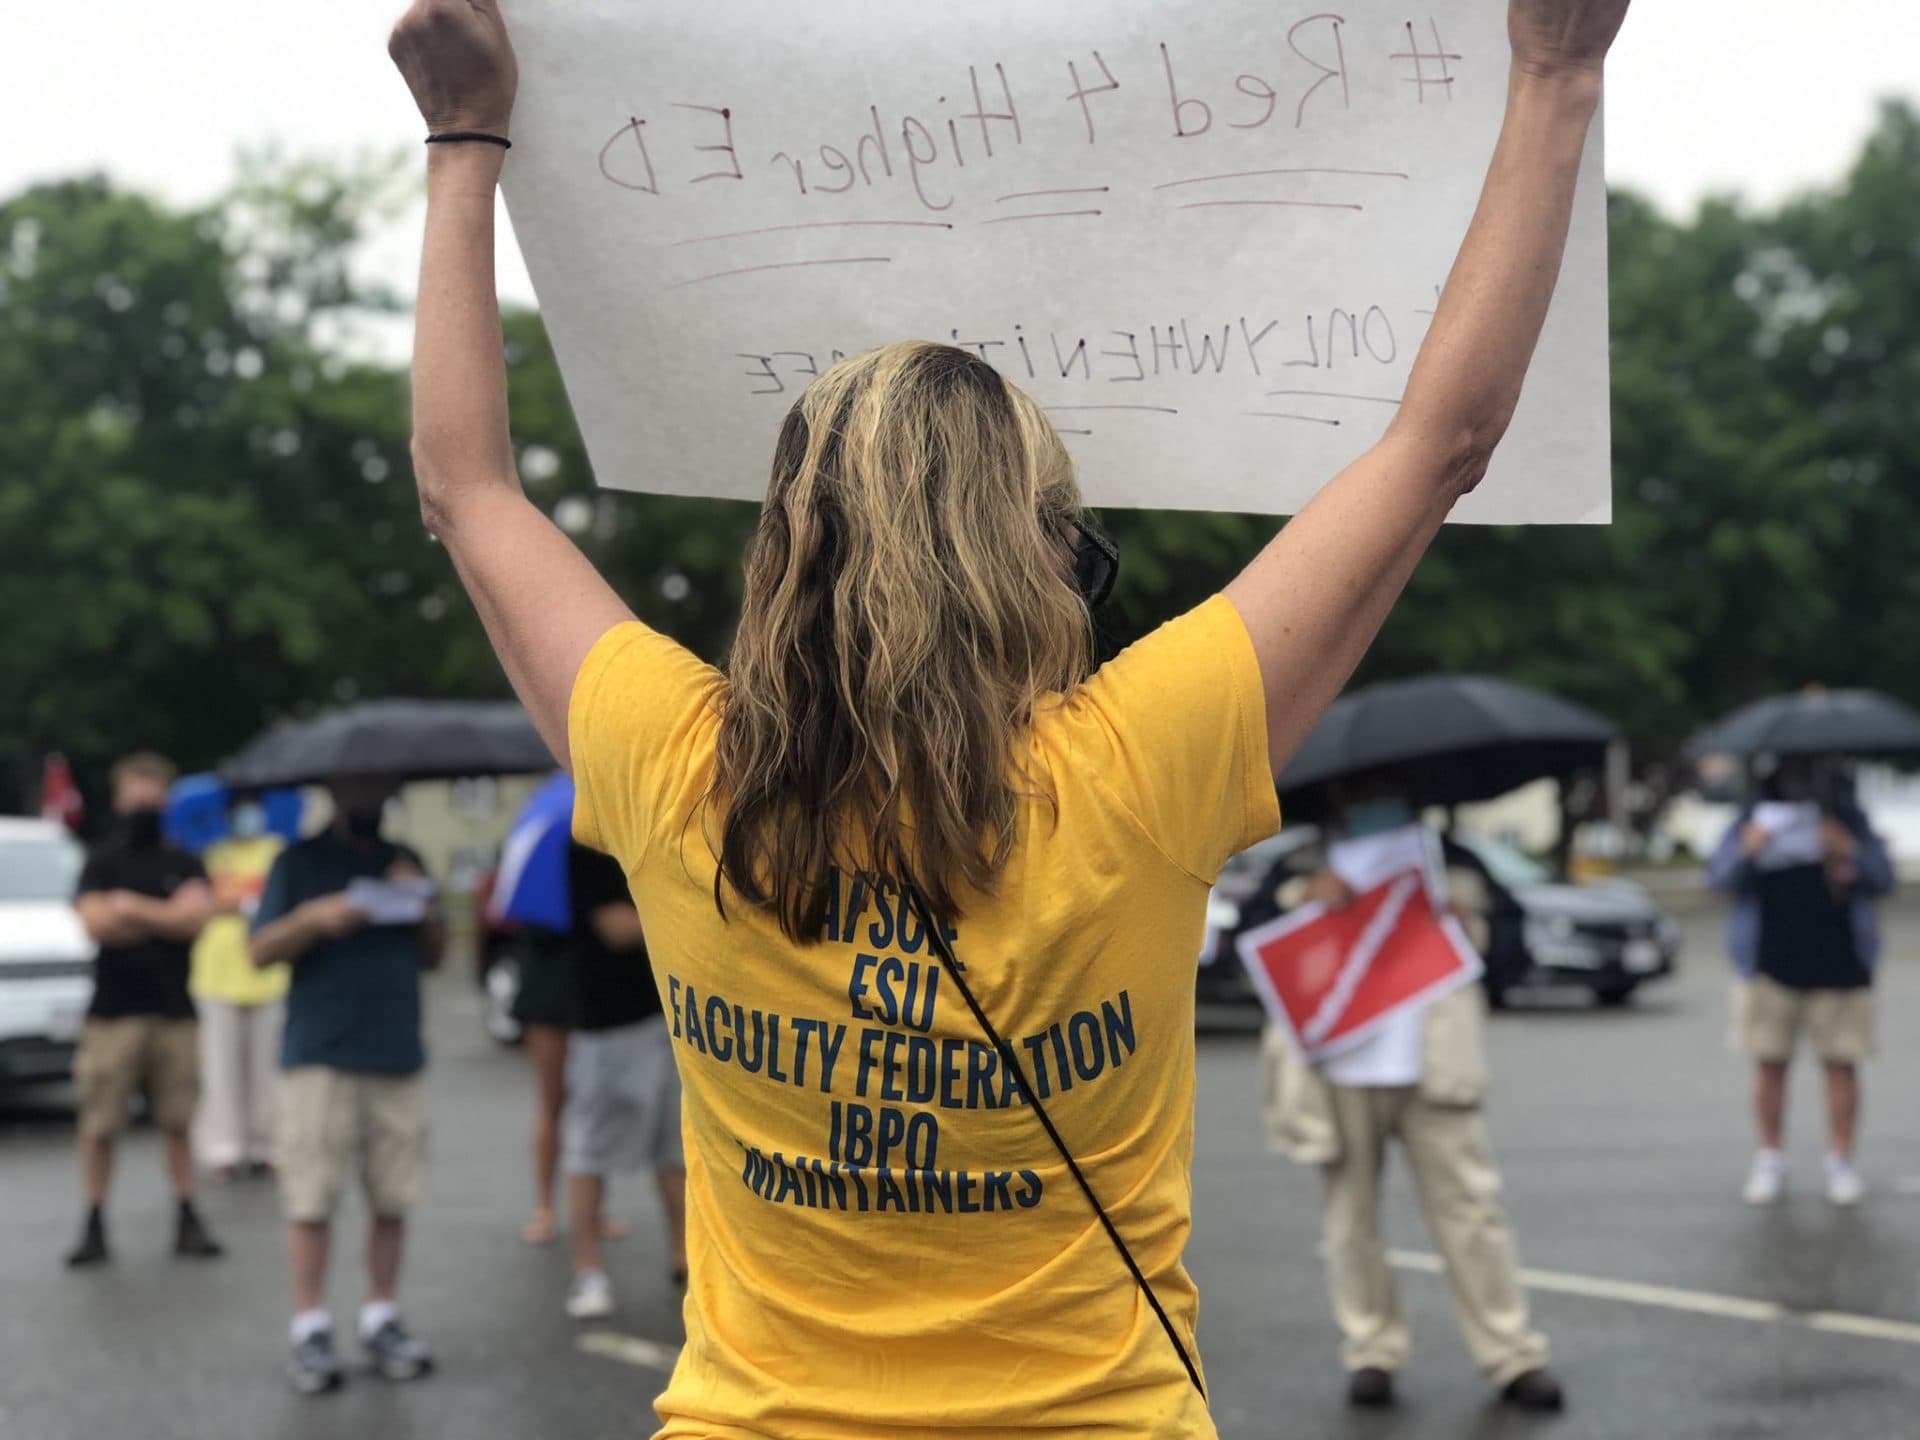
[(206, 518), (205, 514)]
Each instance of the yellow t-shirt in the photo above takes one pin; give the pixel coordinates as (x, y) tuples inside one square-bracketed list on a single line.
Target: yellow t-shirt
[(222, 969), (882, 1239)]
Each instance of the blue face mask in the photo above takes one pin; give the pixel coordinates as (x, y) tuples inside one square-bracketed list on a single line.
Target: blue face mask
[(1377, 816), (249, 821)]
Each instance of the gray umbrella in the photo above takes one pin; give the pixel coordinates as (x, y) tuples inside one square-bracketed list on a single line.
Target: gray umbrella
[(1448, 739), (406, 739), (1863, 723)]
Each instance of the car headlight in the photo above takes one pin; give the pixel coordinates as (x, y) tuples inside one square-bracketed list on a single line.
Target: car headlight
[(1554, 940)]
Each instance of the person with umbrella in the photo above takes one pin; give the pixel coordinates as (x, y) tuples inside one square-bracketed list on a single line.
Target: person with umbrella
[(351, 913), (923, 891), (1420, 1079), (1804, 870), (622, 1105)]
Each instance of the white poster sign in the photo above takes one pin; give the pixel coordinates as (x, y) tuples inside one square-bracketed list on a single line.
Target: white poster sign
[(1207, 237)]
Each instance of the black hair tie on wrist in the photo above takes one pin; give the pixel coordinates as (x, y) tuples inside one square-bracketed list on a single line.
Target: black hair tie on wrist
[(454, 135)]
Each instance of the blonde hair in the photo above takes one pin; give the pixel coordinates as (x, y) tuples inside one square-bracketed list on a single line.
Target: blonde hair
[(909, 600)]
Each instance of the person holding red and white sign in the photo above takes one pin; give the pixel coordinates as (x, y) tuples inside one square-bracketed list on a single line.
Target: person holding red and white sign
[(1376, 1034)]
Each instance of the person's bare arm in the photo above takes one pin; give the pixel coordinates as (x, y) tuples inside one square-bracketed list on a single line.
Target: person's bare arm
[(105, 916), (541, 600), (182, 915), (1314, 599), (126, 917), (283, 941), (617, 924)]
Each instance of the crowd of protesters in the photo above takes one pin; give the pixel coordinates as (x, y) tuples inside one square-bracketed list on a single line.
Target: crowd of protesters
[(264, 1000), (911, 733)]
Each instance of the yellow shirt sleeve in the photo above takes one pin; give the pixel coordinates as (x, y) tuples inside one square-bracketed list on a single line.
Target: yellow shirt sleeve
[(637, 724), (1180, 726)]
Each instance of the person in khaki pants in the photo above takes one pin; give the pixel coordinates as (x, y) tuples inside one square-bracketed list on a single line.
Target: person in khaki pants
[(344, 910), (1805, 872), (142, 901), (1341, 1120)]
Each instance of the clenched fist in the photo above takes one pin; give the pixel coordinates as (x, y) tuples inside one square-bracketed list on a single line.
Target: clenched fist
[(1555, 36), (458, 62)]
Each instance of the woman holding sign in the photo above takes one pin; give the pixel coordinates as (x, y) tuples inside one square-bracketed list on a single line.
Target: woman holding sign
[(924, 887)]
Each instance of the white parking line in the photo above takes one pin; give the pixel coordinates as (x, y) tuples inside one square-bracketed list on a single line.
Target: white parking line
[(630, 1350), (1697, 1302)]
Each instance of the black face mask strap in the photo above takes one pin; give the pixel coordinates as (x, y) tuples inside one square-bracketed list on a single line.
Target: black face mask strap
[(938, 940)]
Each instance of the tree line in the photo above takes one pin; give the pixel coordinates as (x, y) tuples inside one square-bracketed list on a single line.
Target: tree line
[(207, 517)]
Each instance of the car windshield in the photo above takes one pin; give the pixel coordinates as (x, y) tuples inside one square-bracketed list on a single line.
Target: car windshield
[(38, 869), (1508, 866)]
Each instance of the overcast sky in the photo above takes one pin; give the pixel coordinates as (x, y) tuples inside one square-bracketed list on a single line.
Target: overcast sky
[(1760, 96)]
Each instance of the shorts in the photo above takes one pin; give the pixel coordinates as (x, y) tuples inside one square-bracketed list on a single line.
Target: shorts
[(118, 1056), (335, 1123), (623, 1101), (549, 991), (1768, 1018)]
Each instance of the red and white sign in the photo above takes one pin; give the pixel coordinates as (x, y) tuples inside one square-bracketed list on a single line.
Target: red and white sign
[(1333, 978)]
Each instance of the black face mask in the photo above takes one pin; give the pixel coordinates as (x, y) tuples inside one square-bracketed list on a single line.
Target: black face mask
[(362, 825), (141, 828)]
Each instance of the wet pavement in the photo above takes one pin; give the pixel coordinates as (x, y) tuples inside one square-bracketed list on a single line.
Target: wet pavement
[(1674, 1310)]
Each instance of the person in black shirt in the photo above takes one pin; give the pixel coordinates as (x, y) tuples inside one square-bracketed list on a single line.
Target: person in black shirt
[(623, 1092), (142, 901)]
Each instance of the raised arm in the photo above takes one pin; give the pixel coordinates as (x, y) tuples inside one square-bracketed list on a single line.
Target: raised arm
[(1314, 599), (541, 600)]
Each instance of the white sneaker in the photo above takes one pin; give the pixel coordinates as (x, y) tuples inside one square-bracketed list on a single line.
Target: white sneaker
[(1844, 1186), (1767, 1181), (590, 1296)]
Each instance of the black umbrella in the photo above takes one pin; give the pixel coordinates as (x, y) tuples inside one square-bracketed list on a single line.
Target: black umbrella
[(405, 739), (1448, 739), (1862, 723)]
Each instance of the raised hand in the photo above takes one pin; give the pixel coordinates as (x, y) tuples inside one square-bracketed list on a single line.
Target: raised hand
[(1553, 36), (1330, 890), (458, 62)]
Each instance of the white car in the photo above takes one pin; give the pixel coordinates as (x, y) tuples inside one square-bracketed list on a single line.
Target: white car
[(46, 959)]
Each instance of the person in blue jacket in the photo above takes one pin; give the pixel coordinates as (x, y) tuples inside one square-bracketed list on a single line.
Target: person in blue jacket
[(1804, 869)]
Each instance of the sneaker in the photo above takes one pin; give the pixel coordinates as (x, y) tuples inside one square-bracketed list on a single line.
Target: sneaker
[(393, 1354), (1536, 1390), (1370, 1388), (92, 1249), (1767, 1181), (191, 1238), (313, 1368), (1844, 1186), (590, 1296)]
